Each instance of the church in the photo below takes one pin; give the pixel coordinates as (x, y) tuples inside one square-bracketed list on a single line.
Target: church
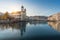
[(20, 14)]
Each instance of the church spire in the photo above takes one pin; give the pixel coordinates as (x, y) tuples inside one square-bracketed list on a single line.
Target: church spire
[(22, 8)]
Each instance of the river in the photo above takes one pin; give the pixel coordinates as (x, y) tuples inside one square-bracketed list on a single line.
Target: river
[(30, 30)]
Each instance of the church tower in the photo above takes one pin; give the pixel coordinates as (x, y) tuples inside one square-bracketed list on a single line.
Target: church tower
[(23, 13), (22, 8)]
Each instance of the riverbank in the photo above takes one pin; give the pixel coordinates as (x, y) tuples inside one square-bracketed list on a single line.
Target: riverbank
[(16, 21)]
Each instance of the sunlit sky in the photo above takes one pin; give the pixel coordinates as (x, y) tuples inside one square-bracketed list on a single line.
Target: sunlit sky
[(34, 7)]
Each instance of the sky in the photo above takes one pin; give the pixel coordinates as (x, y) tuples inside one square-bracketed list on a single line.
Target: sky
[(33, 7)]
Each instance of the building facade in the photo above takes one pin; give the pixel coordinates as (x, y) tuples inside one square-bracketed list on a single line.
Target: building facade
[(38, 18), (55, 17), (20, 14)]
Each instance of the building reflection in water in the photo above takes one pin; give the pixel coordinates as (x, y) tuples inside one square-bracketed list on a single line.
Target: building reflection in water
[(23, 27), (18, 26), (55, 25), (37, 22)]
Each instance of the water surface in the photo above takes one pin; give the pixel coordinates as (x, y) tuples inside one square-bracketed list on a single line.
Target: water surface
[(29, 30)]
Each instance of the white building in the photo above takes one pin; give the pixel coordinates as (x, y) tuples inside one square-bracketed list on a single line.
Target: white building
[(20, 14)]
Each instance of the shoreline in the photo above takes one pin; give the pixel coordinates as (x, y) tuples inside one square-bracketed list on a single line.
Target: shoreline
[(12, 21)]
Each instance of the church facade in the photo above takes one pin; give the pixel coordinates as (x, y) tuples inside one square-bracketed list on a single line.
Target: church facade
[(20, 14)]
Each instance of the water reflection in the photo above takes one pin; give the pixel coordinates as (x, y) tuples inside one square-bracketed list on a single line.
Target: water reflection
[(55, 25), (28, 29), (21, 26), (37, 22)]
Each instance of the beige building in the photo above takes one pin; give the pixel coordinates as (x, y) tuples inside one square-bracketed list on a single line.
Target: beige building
[(54, 17), (20, 14)]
